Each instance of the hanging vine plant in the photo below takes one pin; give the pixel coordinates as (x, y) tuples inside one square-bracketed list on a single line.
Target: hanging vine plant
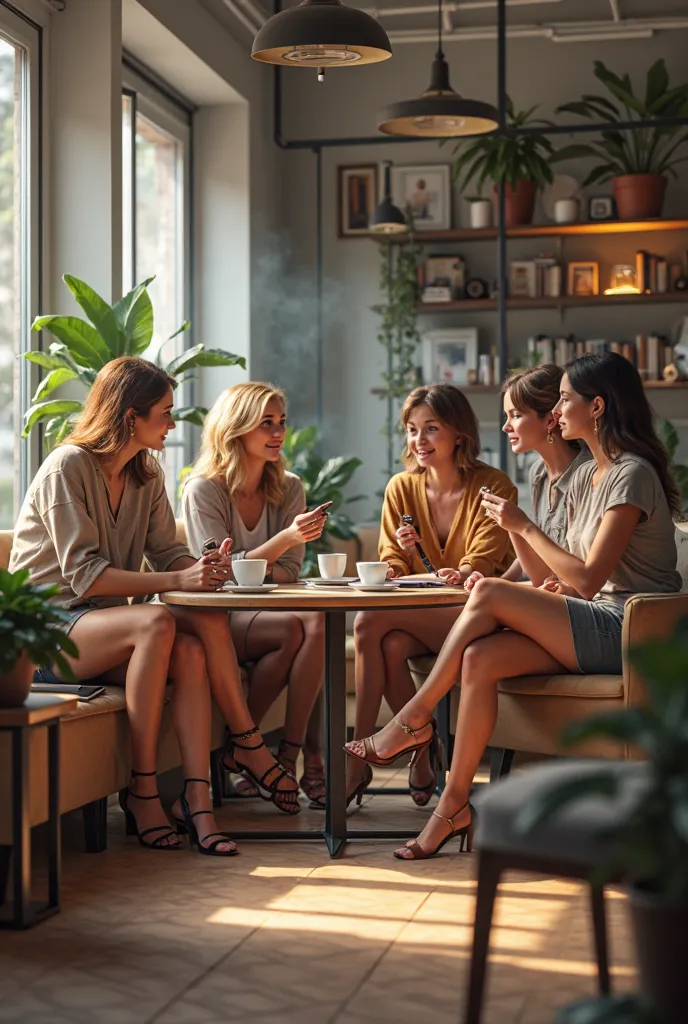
[(398, 331)]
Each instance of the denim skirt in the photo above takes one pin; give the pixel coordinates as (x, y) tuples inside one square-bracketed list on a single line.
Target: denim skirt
[(46, 675), (596, 628)]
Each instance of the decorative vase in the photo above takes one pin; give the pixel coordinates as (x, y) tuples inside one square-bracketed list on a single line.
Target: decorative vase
[(16, 684), (661, 936), (481, 213), (639, 196), (566, 210), (520, 203)]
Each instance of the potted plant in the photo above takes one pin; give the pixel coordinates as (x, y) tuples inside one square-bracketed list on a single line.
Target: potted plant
[(667, 434), (621, 1009), (651, 843), (323, 480), (31, 634), (83, 347), (636, 162), (521, 161)]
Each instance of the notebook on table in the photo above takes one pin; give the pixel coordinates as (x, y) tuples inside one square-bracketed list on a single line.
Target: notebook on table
[(82, 691)]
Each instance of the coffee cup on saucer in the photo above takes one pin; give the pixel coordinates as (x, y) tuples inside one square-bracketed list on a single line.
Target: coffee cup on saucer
[(249, 572), (332, 565), (372, 574)]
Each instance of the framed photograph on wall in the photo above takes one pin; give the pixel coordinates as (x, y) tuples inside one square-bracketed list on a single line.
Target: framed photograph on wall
[(583, 279), (425, 191), (358, 197), (449, 355), (522, 279), (446, 272)]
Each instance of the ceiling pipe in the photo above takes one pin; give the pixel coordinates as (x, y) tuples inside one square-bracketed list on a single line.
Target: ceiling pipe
[(241, 16), (638, 28), (616, 13)]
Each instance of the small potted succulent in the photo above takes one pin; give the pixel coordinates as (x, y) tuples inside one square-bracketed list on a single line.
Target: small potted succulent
[(636, 162), (521, 161), (651, 843), (32, 633)]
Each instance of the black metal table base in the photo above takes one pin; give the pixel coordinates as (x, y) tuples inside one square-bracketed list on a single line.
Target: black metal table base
[(24, 911)]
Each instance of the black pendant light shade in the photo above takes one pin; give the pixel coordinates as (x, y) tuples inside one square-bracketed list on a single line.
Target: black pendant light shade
[(440, 113), (321, 34), (388, 219)]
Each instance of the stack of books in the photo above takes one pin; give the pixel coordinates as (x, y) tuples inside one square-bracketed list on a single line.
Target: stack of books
[(650, 353), (651, 272)]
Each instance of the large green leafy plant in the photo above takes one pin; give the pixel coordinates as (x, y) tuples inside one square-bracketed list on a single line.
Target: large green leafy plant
[(669, 438), (643, 150), (651, 844), (323, 480), (30, 622), (507, 156), (83, 347)]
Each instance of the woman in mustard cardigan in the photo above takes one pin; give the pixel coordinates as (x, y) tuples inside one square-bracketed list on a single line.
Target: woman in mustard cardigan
[(440, 489)]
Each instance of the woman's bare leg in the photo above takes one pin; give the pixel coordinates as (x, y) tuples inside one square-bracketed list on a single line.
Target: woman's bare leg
[(270, 640), (485, 662), (212, 629), (191, 719), (132, 645), (493, 603), (306, 675)]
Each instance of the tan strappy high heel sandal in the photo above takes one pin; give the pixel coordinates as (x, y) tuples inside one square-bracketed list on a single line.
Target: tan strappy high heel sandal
[(371, 755)]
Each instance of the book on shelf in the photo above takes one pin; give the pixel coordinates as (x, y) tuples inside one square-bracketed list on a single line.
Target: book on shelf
[(652, 273), (437, 294)]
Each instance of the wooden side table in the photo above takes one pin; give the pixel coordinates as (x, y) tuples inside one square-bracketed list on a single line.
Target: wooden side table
[(40, 710)]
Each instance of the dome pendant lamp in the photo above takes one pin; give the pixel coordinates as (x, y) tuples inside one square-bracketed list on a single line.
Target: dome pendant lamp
[(321, 34), (388, 219), (440, 113)]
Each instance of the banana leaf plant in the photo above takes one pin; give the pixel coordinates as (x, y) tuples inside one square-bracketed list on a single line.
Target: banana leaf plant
[(669, 438), (83, 347), (643, 150), (323, 480), (506, 157)]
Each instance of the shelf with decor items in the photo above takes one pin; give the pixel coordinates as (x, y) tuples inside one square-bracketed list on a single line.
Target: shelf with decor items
[(560, 302), (603, 227), (494, 389)]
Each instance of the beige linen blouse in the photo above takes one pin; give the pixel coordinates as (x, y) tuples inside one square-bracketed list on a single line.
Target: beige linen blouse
[(67, 535)]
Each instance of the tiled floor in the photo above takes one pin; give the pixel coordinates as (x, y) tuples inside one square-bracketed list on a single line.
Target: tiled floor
[(282, 933)]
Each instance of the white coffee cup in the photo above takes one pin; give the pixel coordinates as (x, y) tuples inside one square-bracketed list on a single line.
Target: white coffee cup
[(332, 565), (249, 572), (372, 573)]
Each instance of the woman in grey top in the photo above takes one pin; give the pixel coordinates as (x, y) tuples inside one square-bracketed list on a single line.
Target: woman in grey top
[(96, 507), (239, 488), (530, 424), (621, 541)]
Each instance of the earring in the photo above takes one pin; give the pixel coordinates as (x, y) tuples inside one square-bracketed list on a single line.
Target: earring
[(550, 437), (596, 428), (131, 429)]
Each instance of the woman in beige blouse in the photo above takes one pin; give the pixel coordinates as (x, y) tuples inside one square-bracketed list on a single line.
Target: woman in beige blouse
[(95, 509), (239, 488)]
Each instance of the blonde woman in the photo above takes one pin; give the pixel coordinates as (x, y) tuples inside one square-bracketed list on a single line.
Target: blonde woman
[(240, 488)]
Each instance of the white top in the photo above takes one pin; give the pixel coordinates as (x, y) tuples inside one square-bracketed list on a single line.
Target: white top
[(245, 539)]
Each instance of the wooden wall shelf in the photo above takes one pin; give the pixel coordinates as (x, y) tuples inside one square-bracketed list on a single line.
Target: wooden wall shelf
[(494, 389), (603, 227), (562, 302)]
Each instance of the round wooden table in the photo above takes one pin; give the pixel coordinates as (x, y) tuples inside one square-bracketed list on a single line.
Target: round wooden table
[(333, 603)]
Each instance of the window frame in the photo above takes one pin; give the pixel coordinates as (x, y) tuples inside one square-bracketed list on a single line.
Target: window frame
[(19, 29)]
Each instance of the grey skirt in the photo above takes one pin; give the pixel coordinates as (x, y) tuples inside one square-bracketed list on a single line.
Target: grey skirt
[(596, 628)]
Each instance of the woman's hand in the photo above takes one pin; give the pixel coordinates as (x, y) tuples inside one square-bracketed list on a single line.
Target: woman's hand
[(408, 538), (553, 585), (471, 581), (505, 513), (308, 526), (453, 577), (210, 572)]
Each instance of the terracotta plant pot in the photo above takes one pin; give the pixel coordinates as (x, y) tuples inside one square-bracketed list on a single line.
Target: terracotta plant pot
[(15, 685), (520, 203), (661, 937), (639, 196)]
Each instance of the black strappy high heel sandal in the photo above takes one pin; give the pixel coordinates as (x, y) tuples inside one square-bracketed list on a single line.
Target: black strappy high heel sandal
[(285, 800), (312, 782), (421, 795), (188, 825), (465, 834), (132, 828)]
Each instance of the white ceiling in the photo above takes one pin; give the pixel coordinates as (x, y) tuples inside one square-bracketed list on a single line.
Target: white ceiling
[(411, 21)]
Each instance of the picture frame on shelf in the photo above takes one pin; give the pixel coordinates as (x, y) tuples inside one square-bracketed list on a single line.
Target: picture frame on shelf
[(583, 279), (424, 190), (601, 208), (449, 355), (523, 279), (357, 188), (446, 272)]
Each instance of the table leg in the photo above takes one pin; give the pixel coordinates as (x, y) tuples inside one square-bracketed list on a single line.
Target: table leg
[(54, 822), (21, 829), (335, 713)]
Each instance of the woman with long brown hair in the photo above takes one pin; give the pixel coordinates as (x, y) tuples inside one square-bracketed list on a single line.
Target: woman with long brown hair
[(620, 541), (440, 490), (241, 489), (95, 509)]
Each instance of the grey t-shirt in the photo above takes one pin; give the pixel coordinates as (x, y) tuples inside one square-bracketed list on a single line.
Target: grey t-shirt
[(66, 533), (648, 565), (549, 498)]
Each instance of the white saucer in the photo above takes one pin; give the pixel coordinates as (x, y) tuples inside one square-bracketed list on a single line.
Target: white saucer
[(379, 587), (337, 581), (262, 588)]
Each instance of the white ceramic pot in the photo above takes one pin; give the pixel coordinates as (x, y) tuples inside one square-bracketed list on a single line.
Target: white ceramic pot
[(566, 210), (481, 213)]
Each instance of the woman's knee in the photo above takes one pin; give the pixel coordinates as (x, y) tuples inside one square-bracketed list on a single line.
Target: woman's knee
[(487, 591), (187, 661), (156, 624), (313, 626), (396, 646), (477, 667), (370, 627)]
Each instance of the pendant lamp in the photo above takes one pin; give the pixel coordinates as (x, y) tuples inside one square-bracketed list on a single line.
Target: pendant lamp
[(321, 34), (388, 219), (440, 113)]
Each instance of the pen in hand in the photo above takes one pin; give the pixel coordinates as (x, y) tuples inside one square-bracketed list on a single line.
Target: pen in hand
[(407, 520)]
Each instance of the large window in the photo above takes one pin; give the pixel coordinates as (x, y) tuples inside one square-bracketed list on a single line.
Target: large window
[(18, 251), (156, 188)]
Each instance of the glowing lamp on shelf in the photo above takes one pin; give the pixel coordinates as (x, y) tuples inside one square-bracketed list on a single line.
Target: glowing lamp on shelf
[(623, 281)]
